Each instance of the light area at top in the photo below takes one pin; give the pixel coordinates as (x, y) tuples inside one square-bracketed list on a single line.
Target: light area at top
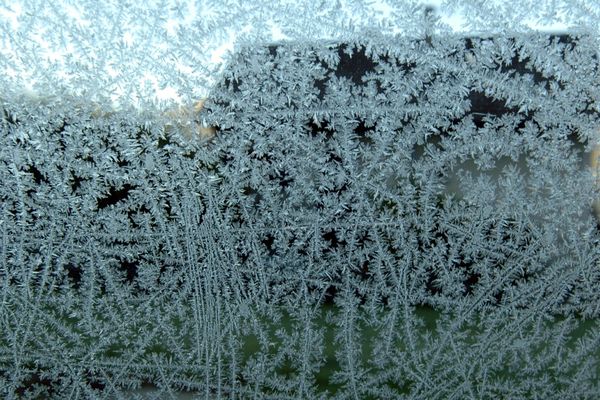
[(142, 58)]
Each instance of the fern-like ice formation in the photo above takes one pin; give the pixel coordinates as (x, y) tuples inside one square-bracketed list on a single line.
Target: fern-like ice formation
[(360, 181)]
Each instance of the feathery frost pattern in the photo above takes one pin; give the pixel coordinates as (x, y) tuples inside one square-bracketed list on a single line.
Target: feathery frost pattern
[(378, 217)]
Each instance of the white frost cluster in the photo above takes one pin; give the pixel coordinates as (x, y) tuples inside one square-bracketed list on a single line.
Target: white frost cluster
[(141, 53)]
